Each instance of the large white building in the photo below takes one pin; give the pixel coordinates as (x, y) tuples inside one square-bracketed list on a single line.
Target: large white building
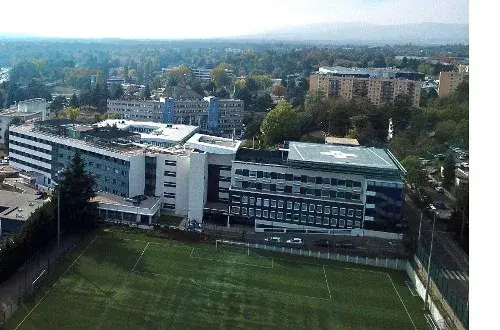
[(26, 111)]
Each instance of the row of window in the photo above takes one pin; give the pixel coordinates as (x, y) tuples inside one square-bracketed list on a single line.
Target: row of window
[(170, 162), (114, 192), (169, 173), (296, 206), (298, 178), (25, 154), (169, 195), (24, 145), (300, 218), (297, 190), (114, 181), (22, 162), (169, 184)]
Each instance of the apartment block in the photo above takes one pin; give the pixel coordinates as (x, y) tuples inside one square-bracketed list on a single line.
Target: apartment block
[(448, 81), (379, 86)]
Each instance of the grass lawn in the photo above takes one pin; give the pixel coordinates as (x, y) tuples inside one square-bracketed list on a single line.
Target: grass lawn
[(126, 281)]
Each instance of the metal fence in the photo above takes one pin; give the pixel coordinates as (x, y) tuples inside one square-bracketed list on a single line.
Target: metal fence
[(399, 264), (450, 279), (25, 284)]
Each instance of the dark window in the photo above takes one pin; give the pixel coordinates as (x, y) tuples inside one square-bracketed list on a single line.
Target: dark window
[(311, 179), (274, 175), (258, 185), (348, 183), (245, 172), (259, 174), (356, 184), (348, 195), (333, 194), (273, 187), (317, 192), (288, 189), (303, 190), (289, 177), (341, 183), (319, 180), (326, 180), (356, 197), (333, 182), (340, 194), (245, 184), (303, 178), (239, 171)]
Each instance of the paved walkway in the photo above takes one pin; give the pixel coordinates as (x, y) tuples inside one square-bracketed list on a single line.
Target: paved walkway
[(21, 281)]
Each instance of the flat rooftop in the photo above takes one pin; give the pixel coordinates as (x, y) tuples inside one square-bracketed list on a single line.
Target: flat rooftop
[(214, 144), (342, 141), (106, 198), (152, 131), (18, 206), (340, 155)]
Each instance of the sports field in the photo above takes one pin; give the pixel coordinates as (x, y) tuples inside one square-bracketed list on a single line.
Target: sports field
[(125, 281)]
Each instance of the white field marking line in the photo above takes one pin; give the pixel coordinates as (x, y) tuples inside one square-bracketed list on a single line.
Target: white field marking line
[(231, 262), (140, 256), (53, 285), (327, 286), (190, 255), (413, 293), (143, 241), (390, 278), (206, 288), (272, 291)]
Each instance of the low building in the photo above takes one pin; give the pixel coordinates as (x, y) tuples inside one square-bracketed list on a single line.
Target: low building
[(140, 210), (15, 209), (26, 112)]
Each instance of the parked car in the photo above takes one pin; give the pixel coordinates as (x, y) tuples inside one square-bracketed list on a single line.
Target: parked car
[(439, 189), (323, 243), (345, 245), (273, 239), (294, 240)]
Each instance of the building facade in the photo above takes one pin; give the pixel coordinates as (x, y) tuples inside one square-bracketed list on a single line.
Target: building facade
[(216, 116), (449, 81), (317, 188), (379, 86)]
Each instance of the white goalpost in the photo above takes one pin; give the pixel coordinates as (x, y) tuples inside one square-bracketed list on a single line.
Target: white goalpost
[(220, 242)]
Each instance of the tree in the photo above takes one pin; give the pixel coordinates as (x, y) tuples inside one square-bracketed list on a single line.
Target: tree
[(415, 174), (448, 171), (362, 130), (445, 131), (77, 188), (116, 91), (57, 103), (278, 90), (220, 77), (72, 113), (280, 124), (2, 99), (146, 93), (73, 102)]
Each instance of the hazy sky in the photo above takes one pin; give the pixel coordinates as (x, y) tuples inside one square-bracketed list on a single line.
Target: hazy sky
[(211, 18)]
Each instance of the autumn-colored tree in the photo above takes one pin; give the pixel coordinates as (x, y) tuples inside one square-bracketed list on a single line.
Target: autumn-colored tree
[(278, 90)]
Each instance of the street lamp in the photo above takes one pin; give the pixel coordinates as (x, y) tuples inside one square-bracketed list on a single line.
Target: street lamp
[(57, 175), (427, 286)]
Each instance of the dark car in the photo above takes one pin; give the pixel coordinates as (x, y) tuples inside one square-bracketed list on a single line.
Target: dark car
[(323, 243), (345, 245)]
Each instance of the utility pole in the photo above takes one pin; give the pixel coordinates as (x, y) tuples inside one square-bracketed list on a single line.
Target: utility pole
[(58, 219), (420, 226), (426, 301)]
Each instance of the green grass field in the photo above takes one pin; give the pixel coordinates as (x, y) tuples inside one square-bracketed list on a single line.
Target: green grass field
[(125, 281)]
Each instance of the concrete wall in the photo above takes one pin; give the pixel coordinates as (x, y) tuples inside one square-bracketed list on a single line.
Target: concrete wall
[(182, 182), (198, 179), (136, 175)]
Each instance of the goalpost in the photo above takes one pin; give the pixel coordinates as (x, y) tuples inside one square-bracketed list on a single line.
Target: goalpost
[(220, 242)]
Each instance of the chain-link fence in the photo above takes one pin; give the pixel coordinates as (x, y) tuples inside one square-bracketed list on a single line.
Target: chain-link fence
[(449, 273)]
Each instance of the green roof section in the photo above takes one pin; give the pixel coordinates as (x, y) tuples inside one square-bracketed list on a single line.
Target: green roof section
[(375, 158)]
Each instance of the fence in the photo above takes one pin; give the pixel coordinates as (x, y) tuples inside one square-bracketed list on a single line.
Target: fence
[(452, 293), (399, 264), (27, 280)]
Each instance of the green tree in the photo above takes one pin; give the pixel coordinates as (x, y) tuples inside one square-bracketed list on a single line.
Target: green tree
[(448, 171), (220, 77), (57, 103), (73, 102), (415, 174), (362, 130), (77, 188), (445, 131), (2, 99), (116, 91), (280, 124), (72, 113)]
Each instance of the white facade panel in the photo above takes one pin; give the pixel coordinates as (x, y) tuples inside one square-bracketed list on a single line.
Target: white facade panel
[(182, 185), (136, 176), (29, 142), (198, 180), (14, 147), (30, 160)]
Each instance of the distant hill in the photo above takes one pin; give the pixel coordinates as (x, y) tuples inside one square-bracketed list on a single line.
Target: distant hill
[(427, 33)]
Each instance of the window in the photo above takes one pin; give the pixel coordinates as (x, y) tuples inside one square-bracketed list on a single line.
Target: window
[(310, 191), (265, 214), (259, 174), (303, 218), (357, 224), (272, 215), (333, 194), (296, 206), (288, 217), (243, 211), (258, 213), (327, 209), (252, 200), (311, 207), (239, 171), (259, 201), (311, 219), (244, 200), (341, 183), (289, 205), (235, 199), (333, 181), (235, 210), (342, 223), (304, 207), (325, 221), (335, 211), (333, 222), (342, 211), (348, 183), (295, 217), (280, 215), (349, 223), (281, 176), (348, 195), (280, 187), (311, 179), (326, 181), (296, 178), (350, 213), (252, 174), (358, 213), (356, 197), (281, 204), (325, 193), (288, 177), (238, 184), (303, 178), (273, 203), (318, 220), (356, 184), (250, 211), (340, 194), (267, 175), (169, 184), (266, 202), (266, 186), (319, 208), (170, 162)]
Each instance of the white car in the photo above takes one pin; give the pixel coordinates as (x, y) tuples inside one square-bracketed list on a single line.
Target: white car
[(294, 241), (273, 239)]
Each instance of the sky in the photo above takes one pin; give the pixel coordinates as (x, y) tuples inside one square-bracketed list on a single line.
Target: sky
[(167, 19)]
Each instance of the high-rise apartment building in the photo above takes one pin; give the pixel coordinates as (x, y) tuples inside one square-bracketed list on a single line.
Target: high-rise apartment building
[(379, 85), (449, 81)]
